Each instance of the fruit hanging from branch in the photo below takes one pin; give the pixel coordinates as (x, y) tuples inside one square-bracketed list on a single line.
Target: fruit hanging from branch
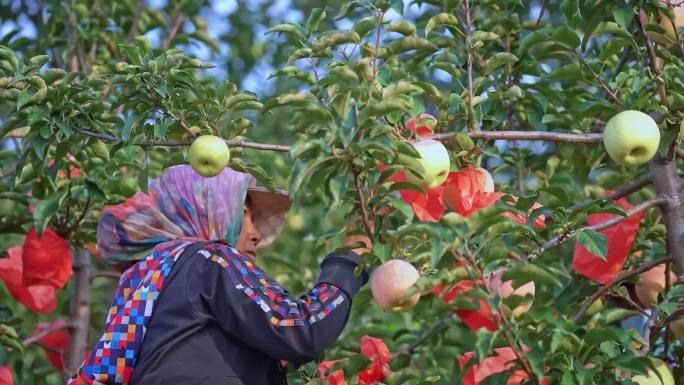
[(506, 289), (435, 160), (391, 282), (208, 155), (631, 138), (661, 375), (651, 284)]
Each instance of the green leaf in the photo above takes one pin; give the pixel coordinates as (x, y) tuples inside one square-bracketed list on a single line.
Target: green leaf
[(443, 19), (402, 206), (405, 44), (336, 38), (593, 241), (608, 27), (45, 210), (317, 15), (536, 37), (292, 29), (496, 61), (571, 11), (346, 9), (522, 273), (566, 36)]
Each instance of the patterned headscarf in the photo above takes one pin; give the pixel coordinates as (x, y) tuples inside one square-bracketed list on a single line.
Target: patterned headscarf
[(180, 205)]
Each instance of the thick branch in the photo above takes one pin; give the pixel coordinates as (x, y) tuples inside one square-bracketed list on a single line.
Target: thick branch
[(80, 309), (619, 279), (606, 224), (668, 184), (528, 135), (152, 143), (624, 191)]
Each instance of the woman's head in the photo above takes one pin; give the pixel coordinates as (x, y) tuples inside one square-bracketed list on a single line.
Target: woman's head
[(181, 204)]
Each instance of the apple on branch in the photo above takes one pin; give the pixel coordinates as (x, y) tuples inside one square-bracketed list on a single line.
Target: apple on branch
[(391, 282), (434, 158), (651, 284), (505, 290), (208, 155), (631, 138), (661, 375)]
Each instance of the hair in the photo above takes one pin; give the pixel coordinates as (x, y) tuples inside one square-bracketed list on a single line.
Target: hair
[(248, 201)]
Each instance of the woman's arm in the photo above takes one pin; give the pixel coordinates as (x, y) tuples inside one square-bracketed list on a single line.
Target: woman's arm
[(228, 288)]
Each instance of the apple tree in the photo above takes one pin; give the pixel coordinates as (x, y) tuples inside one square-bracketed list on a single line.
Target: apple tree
[(515, 165)]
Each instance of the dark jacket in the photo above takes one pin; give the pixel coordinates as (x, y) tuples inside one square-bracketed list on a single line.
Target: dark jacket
[(221, 320)]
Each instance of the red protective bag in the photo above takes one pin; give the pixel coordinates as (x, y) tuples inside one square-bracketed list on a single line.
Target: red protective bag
[(6, 376), (57, 342), (619, 238), (46, 260), (38, 298), (473, 319)]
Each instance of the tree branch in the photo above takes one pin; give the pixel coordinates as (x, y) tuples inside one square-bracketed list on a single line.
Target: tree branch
[(378, 31), (528, 135), (33, 339), (106, 274), (136, 20), (362, 205), (609, 91), (667, 183), (619, 279), (152, 143), (606, 224), (175, 24), (469, 46), (624, 191), (80, 309), (436, 328), (652, 61), (541, 13)]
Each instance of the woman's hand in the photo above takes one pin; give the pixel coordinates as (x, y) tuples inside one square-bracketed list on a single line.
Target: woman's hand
[(354, 239)]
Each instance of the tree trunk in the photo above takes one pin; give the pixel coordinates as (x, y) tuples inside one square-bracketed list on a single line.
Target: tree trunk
[(80, 310), (668, 185)]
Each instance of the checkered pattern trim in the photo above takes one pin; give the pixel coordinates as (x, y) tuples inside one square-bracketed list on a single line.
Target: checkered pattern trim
[(112, 360), (278, 305)]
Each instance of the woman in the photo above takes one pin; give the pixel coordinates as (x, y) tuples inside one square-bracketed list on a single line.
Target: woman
[(197, 310)]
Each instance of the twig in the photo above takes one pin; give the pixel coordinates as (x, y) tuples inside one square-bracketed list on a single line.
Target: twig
[(469, 57), (431, 332), (541, 13), (33, 339), (106, 274), (362, 205), (655, 312), (623, 60), (624, 191), (609, 91), (175, 24), (652, 61), (606, 224), (378, 30), (622, 277), (136, 20), (180, 121)]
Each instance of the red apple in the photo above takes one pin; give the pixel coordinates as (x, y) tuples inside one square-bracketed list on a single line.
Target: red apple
[(651, 284), (505, 289), (391, 282)]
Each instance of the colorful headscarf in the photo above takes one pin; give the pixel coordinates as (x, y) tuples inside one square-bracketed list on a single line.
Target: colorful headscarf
[(180, 205)]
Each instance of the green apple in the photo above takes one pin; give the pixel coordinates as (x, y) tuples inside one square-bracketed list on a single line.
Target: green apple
[(596, 307), (662, 375), (100, 149), (208, 155), (631, 138), (435, 160)]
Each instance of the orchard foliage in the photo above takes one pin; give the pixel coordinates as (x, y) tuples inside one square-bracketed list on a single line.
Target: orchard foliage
[(91, 109)]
